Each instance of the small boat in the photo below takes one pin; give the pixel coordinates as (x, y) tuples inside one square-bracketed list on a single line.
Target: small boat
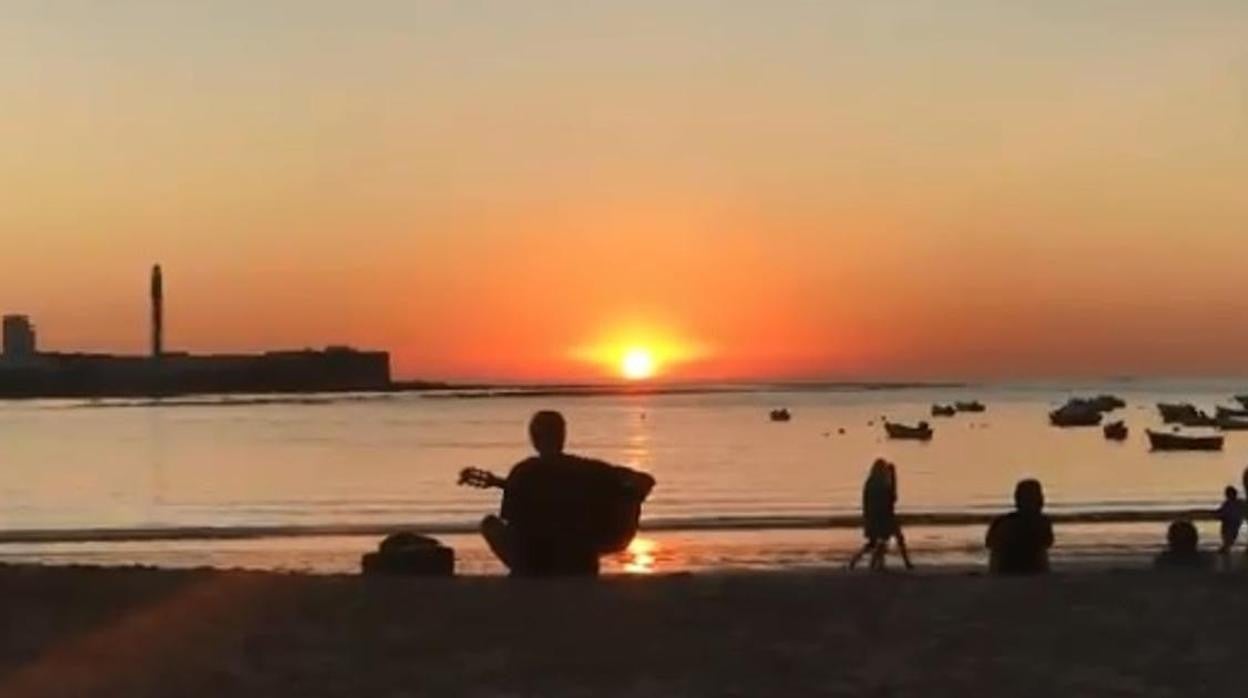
[(1107, 403), (1231, 424), (1243, 400), (1173, 412), (780, 415), (972, 406), (1076, 413), (1116, 431), (1200, 419), (1161, 441), (944, 410), (1183, 413), (922, 432), (1100, 404), (1230, 413)]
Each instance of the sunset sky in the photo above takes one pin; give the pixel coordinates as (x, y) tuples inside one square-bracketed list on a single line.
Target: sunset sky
[(525, 190)]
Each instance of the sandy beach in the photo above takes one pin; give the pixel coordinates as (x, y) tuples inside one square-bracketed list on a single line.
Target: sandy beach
[(143, 632)]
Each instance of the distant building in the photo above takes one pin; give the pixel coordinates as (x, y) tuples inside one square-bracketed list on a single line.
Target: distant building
[(158, 313), (26, 373), (19, 338), (104, 375)]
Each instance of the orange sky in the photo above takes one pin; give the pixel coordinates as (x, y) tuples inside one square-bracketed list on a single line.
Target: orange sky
[(500, 190)]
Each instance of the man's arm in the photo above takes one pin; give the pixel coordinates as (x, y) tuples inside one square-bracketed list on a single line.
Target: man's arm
[(507, 510), (991, 540), (512, 492)]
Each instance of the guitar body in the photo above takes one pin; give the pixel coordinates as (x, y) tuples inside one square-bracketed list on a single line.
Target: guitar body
[(620, 522)]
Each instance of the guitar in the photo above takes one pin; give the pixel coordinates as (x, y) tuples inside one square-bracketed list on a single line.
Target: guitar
[(481, 479)]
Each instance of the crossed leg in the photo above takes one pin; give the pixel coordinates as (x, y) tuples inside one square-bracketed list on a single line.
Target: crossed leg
[(498, 536)]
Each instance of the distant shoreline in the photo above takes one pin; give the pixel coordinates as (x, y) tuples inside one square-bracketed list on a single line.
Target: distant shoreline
[(616, 390), (475, 391), (446, 390)]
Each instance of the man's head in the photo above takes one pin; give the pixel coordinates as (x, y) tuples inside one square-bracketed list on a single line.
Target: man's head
[(1182, 537), (548, 432), (1029, 496), (1232, 493)]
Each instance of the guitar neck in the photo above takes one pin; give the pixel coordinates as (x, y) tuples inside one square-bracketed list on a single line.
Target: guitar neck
[(496, 482), (481, 478)]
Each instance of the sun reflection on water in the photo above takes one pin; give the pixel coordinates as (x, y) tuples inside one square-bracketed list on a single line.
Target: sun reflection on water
[(639, 558)]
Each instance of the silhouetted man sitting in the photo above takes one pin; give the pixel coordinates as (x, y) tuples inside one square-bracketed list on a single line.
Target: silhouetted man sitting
[(561, 512), (1019, 541), (1183, 549)]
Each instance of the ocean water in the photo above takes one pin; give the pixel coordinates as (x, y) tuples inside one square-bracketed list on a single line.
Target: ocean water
[(735, 489)]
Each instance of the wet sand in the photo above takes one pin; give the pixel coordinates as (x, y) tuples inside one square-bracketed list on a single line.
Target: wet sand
[(142, 632)]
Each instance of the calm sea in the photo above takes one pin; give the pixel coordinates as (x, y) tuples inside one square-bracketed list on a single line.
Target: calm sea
[(735, 489)]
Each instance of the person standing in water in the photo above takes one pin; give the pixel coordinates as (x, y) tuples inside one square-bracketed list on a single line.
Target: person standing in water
[(879, 516)]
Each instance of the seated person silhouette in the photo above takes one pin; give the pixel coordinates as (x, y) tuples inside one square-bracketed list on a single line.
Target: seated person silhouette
[(1183, 549), (561, 512), (1019, 541)]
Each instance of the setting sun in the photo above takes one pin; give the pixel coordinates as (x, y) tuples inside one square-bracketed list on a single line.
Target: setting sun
[(638, 354), (637, 364)]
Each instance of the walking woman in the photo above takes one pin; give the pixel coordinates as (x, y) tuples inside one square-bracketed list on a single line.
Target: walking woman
[(879, 516)]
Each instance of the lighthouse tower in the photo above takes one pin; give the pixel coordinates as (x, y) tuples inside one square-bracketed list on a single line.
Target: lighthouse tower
[(158, 313)]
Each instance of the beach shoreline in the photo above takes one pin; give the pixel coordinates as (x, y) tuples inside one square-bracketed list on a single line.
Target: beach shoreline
[(139, 631), (724, 523), (1079, 546)]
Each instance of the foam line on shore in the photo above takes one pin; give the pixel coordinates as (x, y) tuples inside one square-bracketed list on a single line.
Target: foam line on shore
[(739, 523)]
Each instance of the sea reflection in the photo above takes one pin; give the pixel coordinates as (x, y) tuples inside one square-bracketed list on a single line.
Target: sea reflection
[(640, 557), (388, 461), (637, 449)]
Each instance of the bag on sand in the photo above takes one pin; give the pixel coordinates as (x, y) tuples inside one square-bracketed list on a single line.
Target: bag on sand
[(410, 554)]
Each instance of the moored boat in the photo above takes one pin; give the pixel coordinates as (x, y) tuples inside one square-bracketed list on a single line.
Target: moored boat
[(1161, 441), (1173, 412), (1200, 419), (1184, 413), (944, 410), (1116, 431), (1243, 400), (970, 406), (1230, 412), (922, 432), (780, 415), (1231, 424), (1076, 413), (1107, 403)]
